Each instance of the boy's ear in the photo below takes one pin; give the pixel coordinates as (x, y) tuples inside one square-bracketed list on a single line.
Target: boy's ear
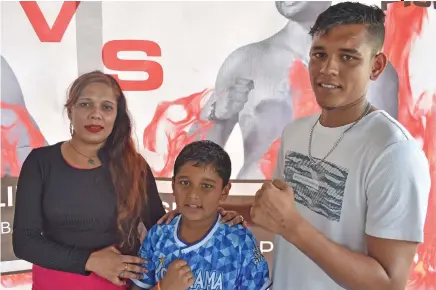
[(226, 191)]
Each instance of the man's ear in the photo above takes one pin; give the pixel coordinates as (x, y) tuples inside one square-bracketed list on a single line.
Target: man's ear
[(378, 66), (226, 191)]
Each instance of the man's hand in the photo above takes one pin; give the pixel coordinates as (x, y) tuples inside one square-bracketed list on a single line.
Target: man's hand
[(274, 208)]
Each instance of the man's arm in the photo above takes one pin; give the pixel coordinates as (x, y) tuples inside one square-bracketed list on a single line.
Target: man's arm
[(398, 187), (386, 266)]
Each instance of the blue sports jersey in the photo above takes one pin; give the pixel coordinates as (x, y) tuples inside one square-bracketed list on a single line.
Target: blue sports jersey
[(227, 258)]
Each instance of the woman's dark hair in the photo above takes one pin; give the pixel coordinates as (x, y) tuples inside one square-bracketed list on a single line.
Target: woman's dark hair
[(128, 169)]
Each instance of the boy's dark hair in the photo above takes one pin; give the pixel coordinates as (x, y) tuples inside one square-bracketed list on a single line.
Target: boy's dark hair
[(347, 13), (206, 152)]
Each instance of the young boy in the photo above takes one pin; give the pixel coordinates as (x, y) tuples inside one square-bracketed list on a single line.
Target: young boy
[(196, 251)]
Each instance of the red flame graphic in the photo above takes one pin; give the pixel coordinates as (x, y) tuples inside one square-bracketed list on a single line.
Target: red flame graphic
[(175, 131), (10, 138), (16, 280)]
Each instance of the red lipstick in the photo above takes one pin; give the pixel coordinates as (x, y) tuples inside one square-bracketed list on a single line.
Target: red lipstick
[(94, 128)]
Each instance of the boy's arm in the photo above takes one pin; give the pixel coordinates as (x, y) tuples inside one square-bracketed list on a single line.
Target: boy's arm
[(254, 271), (146, 251)]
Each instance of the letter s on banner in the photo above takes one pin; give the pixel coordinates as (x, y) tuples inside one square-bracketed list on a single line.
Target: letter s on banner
[(152, 68)]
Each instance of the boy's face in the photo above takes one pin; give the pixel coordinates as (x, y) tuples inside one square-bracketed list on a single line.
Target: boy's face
[(198, 191)]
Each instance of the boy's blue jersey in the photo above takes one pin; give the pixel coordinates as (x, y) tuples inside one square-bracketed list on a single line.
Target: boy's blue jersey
[(227, 258)]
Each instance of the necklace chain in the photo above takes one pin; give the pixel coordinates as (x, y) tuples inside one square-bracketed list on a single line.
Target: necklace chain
[(368, 107), (90, 159)]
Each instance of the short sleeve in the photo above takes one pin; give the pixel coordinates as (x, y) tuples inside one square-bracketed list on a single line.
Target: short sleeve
[(146, 251), (254, 272), (397, 190)]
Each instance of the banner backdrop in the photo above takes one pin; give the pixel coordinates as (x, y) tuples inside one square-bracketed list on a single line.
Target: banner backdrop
[(232, 72)]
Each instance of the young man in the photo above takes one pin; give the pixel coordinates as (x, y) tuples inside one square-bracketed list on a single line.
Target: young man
[(350, 210), (196, 251)]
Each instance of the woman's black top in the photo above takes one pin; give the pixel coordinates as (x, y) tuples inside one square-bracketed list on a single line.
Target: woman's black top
[(63, 214)]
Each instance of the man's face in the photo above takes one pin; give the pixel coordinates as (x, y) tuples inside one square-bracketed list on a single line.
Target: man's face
[(342, 62), (198, 191)]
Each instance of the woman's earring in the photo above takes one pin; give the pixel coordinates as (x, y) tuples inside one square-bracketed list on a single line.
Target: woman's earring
[(71, 129)]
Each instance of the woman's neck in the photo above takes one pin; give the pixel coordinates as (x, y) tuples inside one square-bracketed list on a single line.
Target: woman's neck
[(89, 150)]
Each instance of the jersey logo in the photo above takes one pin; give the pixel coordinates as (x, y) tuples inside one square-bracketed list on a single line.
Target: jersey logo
[(257, 255), (208, 280), (161, 270)]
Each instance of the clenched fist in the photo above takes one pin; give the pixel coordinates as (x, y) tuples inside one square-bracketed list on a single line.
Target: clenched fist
[(178, 276), (233, 101)]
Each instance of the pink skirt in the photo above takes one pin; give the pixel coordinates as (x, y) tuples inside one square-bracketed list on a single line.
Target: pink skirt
[(46, 279)]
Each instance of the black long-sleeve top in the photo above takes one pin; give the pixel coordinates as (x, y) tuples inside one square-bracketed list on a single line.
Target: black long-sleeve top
[(63, 214)]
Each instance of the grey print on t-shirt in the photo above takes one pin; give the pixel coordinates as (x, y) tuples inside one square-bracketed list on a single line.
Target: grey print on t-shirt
[(319, 187)]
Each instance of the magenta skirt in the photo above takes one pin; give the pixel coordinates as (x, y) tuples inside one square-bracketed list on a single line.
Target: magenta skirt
[(46, 279)]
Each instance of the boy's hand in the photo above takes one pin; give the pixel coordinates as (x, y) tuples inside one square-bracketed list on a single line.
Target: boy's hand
[(178, 276)]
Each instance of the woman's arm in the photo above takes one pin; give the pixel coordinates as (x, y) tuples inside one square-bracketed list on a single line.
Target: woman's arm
[(29, 242), (154, 209)]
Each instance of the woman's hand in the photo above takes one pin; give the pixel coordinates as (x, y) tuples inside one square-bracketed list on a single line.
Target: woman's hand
[(229, 217), (168, 217), (110, 264), (232, 217)]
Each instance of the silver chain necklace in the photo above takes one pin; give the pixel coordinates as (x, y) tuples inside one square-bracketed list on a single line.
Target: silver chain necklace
[(368, 107), (90, 159)]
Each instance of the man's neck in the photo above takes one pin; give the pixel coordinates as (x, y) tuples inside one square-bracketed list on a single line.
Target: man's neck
[(344, 116), (193, 231)]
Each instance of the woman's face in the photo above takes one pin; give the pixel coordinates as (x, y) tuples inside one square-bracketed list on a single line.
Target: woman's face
[(93, 114)]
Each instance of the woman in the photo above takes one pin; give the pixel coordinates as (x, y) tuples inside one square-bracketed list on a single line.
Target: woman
[(79, 203)]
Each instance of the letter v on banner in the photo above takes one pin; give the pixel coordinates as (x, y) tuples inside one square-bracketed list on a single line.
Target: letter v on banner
[(40, 25)]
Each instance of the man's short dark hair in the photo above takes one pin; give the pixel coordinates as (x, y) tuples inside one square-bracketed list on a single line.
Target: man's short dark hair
[(204, 153), (347, 13)]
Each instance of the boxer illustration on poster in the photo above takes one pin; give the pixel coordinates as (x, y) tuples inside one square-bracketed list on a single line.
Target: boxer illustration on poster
[(253, 88)]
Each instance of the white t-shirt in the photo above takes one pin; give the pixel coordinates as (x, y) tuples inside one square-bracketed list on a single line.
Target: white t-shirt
[(376, 182)]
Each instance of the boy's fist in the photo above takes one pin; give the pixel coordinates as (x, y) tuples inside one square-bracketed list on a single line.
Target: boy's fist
[(178, 276)]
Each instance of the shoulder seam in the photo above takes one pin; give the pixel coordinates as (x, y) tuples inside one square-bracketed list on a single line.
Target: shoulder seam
[(396, 125)]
